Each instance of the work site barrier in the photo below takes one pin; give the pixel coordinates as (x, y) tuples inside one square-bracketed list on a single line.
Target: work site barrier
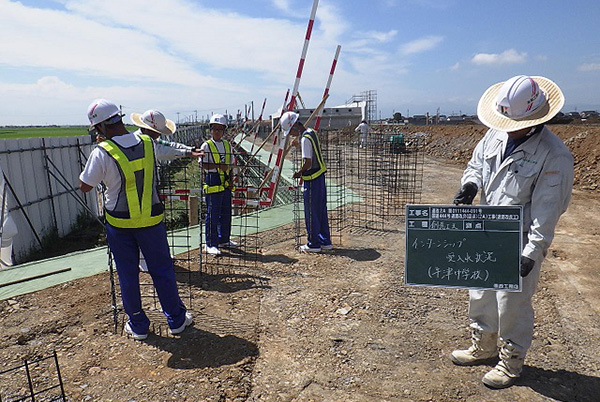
[(41, 187)]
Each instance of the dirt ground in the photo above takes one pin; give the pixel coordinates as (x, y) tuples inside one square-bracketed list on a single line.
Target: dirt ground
[(339, 326)]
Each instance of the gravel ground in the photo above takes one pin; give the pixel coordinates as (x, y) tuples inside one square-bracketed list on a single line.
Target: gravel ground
[(340, 326)]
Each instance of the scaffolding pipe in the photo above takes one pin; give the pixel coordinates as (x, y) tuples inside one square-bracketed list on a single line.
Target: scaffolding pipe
[(73, 193), (326, 93)]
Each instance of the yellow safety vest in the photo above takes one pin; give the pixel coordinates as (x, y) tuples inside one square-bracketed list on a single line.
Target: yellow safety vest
[(140, 216), (216, 157), (314, 171)]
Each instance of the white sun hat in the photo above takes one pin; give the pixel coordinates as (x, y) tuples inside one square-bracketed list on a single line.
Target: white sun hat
[(153, 120), (519, 103)]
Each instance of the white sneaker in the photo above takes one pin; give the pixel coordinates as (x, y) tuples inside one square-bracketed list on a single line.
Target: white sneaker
[(189, 320), (137, 337), (327, 247), (213, 250), (305, 249), (229, 244)]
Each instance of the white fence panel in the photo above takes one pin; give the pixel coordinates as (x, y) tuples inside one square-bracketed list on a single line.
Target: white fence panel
[(44, 176)]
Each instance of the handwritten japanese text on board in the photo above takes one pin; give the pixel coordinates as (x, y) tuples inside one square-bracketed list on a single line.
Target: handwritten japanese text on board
[(476, 247)]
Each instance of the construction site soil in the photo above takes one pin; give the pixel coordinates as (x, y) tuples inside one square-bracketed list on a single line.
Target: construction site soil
[(337, 326)]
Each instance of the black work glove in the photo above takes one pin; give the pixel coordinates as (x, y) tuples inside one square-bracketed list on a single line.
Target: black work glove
[(465, 195), (526, 266)]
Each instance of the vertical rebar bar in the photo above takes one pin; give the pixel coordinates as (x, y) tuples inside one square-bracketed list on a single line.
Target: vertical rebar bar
[(60, 381)]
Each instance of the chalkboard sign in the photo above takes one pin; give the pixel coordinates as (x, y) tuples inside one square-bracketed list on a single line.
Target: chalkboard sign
[(464, 246)]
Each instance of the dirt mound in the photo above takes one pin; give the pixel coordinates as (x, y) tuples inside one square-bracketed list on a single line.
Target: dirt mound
[(456, 142)]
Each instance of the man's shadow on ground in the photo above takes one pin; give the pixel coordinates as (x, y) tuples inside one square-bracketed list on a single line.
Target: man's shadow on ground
[(364, 254), (561, 385), (223, 281), (196, 348)]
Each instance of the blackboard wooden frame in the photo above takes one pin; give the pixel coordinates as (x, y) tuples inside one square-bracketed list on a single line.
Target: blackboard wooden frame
[(464, 246)]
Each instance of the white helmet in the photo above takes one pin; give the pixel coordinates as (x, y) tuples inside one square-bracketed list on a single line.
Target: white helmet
[(218, 119), (101, 110), (287, 121)]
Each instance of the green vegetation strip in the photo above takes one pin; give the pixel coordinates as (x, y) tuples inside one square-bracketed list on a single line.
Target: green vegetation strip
[(46, 131)]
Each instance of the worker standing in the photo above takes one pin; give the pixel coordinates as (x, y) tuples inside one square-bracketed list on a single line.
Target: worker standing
[(519, 161), (218, 183), (153, 123), (125, 163), (363, 128), (312, 173)]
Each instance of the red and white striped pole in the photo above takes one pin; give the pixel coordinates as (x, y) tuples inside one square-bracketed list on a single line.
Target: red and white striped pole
[(335, 59), (275, 137), (291, 105), (311, 22)]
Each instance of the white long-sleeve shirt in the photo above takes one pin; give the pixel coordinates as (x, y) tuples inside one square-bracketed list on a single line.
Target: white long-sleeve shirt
[(363, 128), (538, 175), (167, 150)]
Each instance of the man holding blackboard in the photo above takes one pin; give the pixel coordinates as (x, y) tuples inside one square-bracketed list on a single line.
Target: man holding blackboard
[(518, 162)]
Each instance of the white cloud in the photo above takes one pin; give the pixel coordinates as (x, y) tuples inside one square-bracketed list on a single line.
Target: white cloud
[(179, 54), (455, 67), (510, 56), (381, 37), (589, 67), (283, 5), (58, 40), (421, 45), (187, 54)]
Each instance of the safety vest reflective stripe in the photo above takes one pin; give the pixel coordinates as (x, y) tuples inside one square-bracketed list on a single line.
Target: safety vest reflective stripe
[(139, 216), (216, 157), (316, 145)]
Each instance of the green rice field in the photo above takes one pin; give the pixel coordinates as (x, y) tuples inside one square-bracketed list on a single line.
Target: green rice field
[(48, 131)]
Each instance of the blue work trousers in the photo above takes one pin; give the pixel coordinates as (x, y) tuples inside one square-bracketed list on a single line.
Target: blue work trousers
[(218, 218), (125, 245), (315, 212)]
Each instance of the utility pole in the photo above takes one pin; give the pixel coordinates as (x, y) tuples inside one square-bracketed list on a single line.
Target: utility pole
[(177, 118)]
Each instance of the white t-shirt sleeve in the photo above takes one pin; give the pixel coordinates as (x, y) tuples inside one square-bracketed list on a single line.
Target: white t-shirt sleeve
[(207, 158), (307, 151), (94, 170)]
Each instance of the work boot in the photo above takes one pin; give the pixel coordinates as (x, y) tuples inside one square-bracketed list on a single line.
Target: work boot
[(507, 370), (483, 349)]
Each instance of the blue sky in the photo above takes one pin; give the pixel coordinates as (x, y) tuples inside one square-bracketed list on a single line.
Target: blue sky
[(188, 57)]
